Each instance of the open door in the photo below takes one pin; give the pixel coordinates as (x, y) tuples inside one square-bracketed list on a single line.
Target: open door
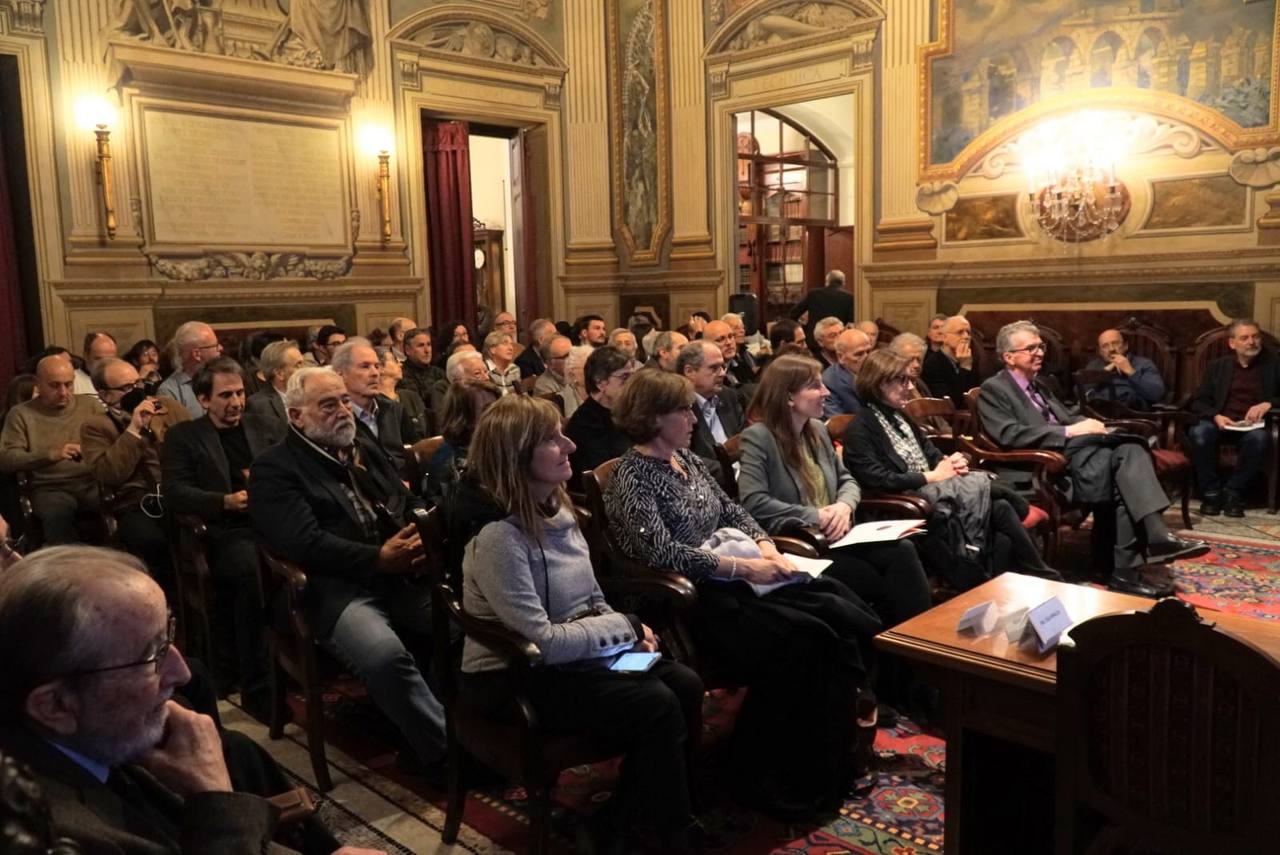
[(530, 214)]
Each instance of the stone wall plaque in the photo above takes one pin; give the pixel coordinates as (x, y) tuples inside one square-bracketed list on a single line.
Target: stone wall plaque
[(236, 183)]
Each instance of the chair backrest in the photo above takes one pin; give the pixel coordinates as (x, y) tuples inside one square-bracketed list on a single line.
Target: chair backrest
[(1208, 346), (555, 398), (1056, 370), (1085, 379), (927, 413), (980, 437), (887, 333), (1166, 732), (446, 596), (985, 361), (837, 425)]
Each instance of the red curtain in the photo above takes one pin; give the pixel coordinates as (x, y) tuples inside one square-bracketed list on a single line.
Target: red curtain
[(447, 158), (13, 347)]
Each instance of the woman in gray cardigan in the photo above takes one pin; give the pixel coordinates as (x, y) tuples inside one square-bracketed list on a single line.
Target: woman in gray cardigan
[(529, 568), (790, 473)]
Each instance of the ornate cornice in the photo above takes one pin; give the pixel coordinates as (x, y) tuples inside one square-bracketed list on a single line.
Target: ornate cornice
[(468, 33), (778, 26), (1256, 167), (251, 266), (149, 292)]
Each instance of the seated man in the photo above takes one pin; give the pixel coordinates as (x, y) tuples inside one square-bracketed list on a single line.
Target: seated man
[(88, 705), (1135, 381), (823, 341), (421, 376), (205, 472), (936, 323), (98, 345), (872, 329), (721, 335), (1019, 412), (396, 331), (591, 427), (530, 360), (719, 410), (194, 343), (555, 350), (666, 347), (377, 416), (326, 499), (949, 371), (42, 436), (743, 364), (278, 362), (1238, 390), (852, 346), (122, 449)]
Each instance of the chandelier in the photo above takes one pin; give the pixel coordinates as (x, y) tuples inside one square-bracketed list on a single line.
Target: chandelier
[(1070, 163)]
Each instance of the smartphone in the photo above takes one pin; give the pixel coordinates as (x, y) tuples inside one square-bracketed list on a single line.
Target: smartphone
[(635, 662)]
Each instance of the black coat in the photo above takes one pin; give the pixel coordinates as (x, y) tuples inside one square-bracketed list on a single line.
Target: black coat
[(946, 379), (530, 363), (827, 302), (869, 455), (591, 428), (194, 472), (1211, 396), (395, 429), (300, 509), (267, 402), (703, 444), (423, 379)]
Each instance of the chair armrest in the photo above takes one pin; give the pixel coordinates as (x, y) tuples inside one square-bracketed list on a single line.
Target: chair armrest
[(1051, 462), (197, 525), (796, 546), (799, 539), (498, 637), (290, 574), (668, 586), (1141, 427), (898, 504)]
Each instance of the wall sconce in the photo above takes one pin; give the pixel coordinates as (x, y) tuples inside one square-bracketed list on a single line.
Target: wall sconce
[(94, 112), (376, 139)]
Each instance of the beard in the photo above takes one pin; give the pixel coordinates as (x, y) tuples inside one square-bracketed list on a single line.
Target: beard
[(114, 743), (339, 436)]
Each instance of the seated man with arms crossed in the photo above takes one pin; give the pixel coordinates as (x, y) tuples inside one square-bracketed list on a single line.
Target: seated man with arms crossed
[(1135, 381)]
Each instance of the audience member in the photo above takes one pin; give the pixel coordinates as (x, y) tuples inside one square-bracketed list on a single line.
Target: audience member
[(694, 327), (852, 346), (378, 417), (800, 641), (463, 405), (872, 330), (641, 324), (785, 331), (122, 448), (623, 339), (415, 423), (949, 371), (145, 356), (251, 348), (329, 338), (326, 499), (504, 322), (743, 364), (605, 373), (575, 366), (193, 344), (555, 350), (396, 331), (721, 335), (42, 437), (666, 347), (527, 530), (277, 363), (792, 475), (499, 359), (823, 341), (421, 375), (589, 330), (717, 416), (98, 345), (830, 301), (448, 337), (1231, 405), (205, 467), (530, 360), (936, 324), (1135, 381), (887, 453), (1103, 469)]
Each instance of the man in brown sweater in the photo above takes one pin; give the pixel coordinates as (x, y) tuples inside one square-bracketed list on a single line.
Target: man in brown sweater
[(122, 449), (42, 436)]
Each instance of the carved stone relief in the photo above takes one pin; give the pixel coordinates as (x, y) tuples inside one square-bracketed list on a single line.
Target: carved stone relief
[(791, 21), (639, 141), (481, 40), (1256, 167), (331, 35), (27, 15), (253, 266), (937, 197), (191, 25)]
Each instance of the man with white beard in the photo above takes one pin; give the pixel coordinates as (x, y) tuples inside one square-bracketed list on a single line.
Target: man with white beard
[(329, 501)]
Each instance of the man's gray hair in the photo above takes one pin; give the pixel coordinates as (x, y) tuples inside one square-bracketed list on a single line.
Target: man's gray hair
[(613, 336), (99, 376), (693, 355), (295, 393), (901, 340), (1236, 323), (454, 367), (941, 316), (545, 350), (186, 337), (1004, 338), (536, 326), (272, 358), (821, 327), (496, 338), (730, 317), (664, 340), (834, 276), (342, 357)]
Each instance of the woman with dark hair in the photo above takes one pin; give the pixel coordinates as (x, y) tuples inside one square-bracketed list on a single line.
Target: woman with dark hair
[(791, 474), (463, 404), (529, 568), (605, 374), (801, 640), (887, 452), (390, 373), (449, 336)]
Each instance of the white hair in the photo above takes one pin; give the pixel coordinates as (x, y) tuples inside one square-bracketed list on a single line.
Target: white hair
[(295, 392), (821, 327), (342, 358), (1004, 338), (453, 368), (902, 339), (186, 337)]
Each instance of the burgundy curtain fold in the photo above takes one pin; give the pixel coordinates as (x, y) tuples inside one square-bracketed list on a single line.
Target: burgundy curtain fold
[(447, 161), (13, 347)]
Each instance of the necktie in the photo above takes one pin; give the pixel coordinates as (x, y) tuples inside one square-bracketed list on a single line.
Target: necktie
[(712, 416)]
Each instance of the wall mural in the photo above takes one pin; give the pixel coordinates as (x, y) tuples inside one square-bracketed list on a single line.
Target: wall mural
[(998, 58), (984, 218), (1187, 203)]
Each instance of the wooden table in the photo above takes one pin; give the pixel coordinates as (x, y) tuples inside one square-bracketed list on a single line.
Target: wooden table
[(1001, 711)]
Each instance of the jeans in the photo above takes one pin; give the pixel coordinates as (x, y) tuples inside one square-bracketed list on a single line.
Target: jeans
[(60, 507), (1251, 453), (373, 637)]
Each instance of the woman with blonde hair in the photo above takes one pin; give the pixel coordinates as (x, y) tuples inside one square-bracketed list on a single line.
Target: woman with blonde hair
[(529, 568)]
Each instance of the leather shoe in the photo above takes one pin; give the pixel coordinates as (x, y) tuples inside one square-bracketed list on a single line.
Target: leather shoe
[(1131, 582), (1211, 505), (1175, 549), (1233, 505)]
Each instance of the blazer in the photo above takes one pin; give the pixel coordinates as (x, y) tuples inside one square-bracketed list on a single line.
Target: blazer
[(194, 471), (770, 490), (703, 444), (299, 507), (844, 398), (1211, 396), (128, 464), (869, 454), (267, 402), (395, 428), (825, 302), (530, 362), (423, 379), (1144, 388), (140, 816), (946, 378)]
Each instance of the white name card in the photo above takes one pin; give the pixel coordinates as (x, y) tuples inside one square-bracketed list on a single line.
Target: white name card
[(1048, 621), (979, 619)]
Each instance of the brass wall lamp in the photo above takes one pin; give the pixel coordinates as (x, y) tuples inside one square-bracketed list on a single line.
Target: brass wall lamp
[(96, 113)]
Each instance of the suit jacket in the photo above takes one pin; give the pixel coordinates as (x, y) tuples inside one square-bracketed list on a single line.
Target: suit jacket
[(844, 398), (1211, 397), (1144, 388), (946, 378), (869, 455), (824, 303), (128, 464), (194, 468), (395, 428), (530, 363), (299, 508), (771, 491), (267, 402), (703, 444), (139, 815)]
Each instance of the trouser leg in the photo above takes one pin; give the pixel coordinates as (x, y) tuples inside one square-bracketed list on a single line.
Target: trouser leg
[(1203, 437), (57, 511), (889, 576), (145, 538), (1250, 458), (234, 564), (1025, 556)]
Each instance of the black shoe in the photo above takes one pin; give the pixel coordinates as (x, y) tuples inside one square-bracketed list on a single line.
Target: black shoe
[(1131, 582), (886, 716), (1175, 549), (1211, 504), (1233, 504)]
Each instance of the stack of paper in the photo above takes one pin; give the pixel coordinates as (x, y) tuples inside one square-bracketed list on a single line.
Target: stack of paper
[(882, 530)]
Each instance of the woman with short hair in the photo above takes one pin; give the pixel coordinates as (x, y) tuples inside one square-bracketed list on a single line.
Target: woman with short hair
[(390, 373), (463, 404), (500, 359)]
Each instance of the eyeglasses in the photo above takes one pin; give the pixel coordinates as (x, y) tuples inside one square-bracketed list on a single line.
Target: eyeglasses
[(900, 380), (214, 346), (156, 659), (1040, 347), (126, 388), (621, 376)]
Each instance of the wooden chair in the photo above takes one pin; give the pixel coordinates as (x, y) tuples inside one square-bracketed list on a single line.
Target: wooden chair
[(887, 333), (837, 425), (26, 823), (1056, 370), (189, 548), (937, 419), (521, 750), (1166, 736), (526, 385), (417, 457)]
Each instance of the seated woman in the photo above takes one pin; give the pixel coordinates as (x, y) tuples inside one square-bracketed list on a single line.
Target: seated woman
[(796, 641), (790, 474), (887, 452), (500, 359), (414, 423), (463, 404), (529, 568)]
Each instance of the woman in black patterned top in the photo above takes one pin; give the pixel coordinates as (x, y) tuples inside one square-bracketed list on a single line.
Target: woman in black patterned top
[(798, 645)]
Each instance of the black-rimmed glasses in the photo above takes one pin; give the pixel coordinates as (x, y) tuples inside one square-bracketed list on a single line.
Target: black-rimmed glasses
[(156, 659), (1031, 348)]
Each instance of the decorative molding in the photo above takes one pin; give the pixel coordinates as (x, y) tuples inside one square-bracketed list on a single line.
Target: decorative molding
[(776, 26), (551, 92), (25, 16), (464, 31), (410, 74), (251, 266), (937, 197), (159, 292), (1256, 167), (1269, 222)]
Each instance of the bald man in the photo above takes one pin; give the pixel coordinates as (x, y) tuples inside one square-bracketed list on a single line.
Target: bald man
[(851, 348), (1135, 381), (193, 344), (949, 371), (872, 330), (42, 437)]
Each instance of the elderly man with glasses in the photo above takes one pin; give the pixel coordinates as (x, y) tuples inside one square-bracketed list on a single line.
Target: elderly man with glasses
[(949, 371), (1111, 473), (193, 344)]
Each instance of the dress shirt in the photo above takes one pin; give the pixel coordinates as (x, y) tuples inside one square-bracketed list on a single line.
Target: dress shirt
[(1037, 400), (99, 771), (369, 416), (178, 386), (712, 416)]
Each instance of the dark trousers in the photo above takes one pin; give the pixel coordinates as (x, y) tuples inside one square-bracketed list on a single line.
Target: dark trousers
[(233, 563), (59, 509), (1127, 510), (1251, 453), (1022, 553), (888, 576), (655, 718), (145, 537)]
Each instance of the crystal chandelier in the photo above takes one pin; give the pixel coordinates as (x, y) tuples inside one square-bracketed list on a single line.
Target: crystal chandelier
[(1070, 163)]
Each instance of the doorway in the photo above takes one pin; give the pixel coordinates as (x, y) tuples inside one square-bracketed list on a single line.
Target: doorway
[(19, 279)]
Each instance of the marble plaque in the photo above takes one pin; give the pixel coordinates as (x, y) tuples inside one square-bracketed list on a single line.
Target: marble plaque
[(215, 181)]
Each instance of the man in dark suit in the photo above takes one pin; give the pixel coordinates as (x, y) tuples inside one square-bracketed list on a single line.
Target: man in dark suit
[(831, 301), (591, 427), (422, 377), (1235, 395), (278, 362), (1019, 412), (205, 473), (327, 499), (719, 410), (530, 359), (377, 416), (949, 371)]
